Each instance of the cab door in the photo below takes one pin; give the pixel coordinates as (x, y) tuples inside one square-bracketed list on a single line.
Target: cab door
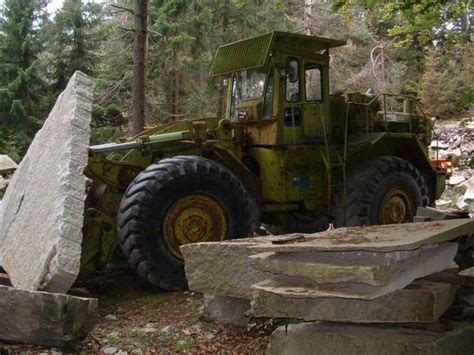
[(292, 98), (313, 102)]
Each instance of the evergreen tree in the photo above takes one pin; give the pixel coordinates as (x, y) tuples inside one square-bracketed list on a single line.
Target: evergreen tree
[(71, 41), (23, 103)]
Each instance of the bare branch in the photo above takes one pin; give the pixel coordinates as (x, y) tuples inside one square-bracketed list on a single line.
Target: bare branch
[(126, 29), (123, 8)]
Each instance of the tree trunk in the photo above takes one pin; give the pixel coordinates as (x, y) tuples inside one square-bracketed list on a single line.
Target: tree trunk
[(175, 89), (140, 48), (222, 89), (308, 17)]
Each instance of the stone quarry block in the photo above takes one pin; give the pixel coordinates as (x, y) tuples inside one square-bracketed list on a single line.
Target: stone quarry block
[(432, 213), (467, 272), (7, 164), (42, 210), (420, 302), (430, 260), (225, 309), (48, 319), (330, 338), (222, 268), (372, 268), (375, 238)]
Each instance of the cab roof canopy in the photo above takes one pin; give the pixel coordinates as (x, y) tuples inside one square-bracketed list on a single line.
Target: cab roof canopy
[(255, 51)]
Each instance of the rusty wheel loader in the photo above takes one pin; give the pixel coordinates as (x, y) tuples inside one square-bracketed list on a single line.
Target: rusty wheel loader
[(287, 153)]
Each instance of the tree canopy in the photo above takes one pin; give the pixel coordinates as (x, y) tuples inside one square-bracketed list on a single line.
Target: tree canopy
[(422, 46)]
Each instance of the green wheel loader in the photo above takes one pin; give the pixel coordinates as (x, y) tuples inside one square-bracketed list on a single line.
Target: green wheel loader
[(287, 154)]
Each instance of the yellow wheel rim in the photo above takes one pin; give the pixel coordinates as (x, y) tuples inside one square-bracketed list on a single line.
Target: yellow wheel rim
[(192, 219), (396, 207)]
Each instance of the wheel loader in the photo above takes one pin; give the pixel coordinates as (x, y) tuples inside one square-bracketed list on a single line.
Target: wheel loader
[(288, 154)]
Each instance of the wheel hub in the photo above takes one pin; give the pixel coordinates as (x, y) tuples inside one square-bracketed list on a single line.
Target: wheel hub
[(396, 207), (192, 219)]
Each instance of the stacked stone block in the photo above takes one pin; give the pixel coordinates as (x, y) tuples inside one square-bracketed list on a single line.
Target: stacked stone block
[(338, 287)]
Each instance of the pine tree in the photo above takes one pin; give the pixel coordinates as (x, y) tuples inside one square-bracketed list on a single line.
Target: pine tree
[(23, 103), (71, 42)]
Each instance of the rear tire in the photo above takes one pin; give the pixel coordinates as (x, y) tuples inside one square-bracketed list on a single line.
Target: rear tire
[(178, 201), (386, 190)]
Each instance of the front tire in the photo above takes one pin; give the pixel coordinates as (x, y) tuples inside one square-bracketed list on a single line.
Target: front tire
[(386, 190), (180, 200)]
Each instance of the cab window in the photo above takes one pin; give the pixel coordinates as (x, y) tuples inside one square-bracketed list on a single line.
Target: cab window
[(268, 99), (292, 80), (313, 82), (247, 85)]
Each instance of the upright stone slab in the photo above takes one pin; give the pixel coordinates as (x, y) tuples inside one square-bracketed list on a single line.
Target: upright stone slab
[(41, 318), (42, 211), (327, 338), (421, 302)]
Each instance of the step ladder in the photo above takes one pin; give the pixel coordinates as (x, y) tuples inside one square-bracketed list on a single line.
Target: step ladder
[(335, 167)]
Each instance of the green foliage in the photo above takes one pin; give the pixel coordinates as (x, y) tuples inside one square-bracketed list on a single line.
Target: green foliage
[(419, 46), (416, 22), (71, 41), (447, 84), (22, 91)]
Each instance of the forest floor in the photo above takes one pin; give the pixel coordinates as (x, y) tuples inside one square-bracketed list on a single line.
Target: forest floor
[(134, 317)]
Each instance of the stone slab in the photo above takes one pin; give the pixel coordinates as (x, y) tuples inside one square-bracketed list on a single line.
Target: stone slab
[(330, 338), (48, 319), (42, 210), (222, 268), (375, 238), (431, 213), (372, 268), (7, 164), (467, 272), (225, 309), (432, 260), (420, 302)]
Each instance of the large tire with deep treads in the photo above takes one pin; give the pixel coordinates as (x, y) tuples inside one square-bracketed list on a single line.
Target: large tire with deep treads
[(177, 201), (385, 190)]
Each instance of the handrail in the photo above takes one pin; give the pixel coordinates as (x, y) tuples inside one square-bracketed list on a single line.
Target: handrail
[(384, 97)]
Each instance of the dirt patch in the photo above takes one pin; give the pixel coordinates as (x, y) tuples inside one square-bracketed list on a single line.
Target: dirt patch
[(134, 317)]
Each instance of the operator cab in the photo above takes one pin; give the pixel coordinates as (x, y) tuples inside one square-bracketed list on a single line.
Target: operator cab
[(279, 87)]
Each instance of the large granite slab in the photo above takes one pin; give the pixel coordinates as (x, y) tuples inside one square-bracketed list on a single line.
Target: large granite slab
[(372, 268), (430, 260), (330, 338), (375, 238), (42, 318), (420, 302), (42, 211)]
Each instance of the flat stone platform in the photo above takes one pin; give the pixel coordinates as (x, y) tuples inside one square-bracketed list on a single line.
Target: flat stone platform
[(374, 238)]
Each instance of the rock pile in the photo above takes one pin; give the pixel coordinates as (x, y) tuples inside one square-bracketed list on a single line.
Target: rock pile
[(346, 285), (455, 140)]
